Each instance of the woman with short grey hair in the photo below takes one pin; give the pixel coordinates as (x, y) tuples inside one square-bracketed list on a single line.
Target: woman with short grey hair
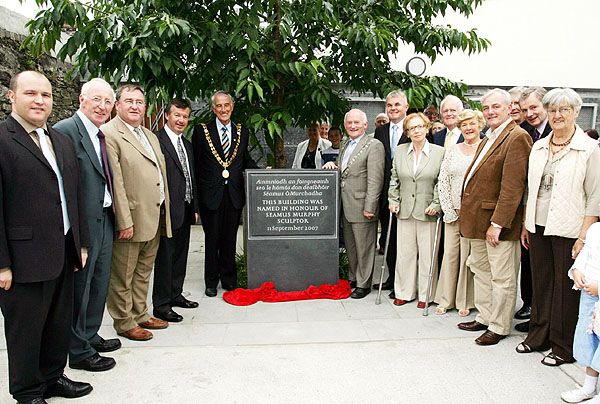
[(563, 200)]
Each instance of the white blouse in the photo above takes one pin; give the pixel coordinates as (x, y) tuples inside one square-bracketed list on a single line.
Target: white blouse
[(588, 260)]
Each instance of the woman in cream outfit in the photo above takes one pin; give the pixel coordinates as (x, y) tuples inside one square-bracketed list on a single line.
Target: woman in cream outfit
[(413, 198), (455, 285)]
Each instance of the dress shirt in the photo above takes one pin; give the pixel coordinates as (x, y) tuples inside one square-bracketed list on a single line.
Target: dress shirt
[(92, 131), (220, 131), (492, 135), (152, 155), (416, 160), (174, 138), (393, 144), (30, 128), (454, 135), (540, 128), (348, 152)]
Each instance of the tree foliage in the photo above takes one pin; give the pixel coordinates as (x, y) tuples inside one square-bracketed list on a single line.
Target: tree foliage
[(288, 62)]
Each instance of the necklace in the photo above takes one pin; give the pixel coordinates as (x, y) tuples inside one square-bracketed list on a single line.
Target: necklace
[(561, 144), (472, 145), (228, 160)]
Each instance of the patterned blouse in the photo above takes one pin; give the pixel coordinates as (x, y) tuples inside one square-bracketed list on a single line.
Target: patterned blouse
[(450, 181)]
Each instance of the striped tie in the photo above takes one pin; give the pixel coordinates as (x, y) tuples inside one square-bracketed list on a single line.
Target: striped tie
[(225, 141)]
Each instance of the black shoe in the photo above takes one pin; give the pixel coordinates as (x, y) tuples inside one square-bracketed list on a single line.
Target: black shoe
[(107, 345), (64, 387), (352, 284), (94, 363), (184, 303), (387, 285), (522, 327), (228, 288), (34, 401), (392, 295), (210, 292), (524, 313), (169, 315), (359, 293)]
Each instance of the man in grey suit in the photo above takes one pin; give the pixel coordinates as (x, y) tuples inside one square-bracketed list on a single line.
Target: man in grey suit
[(91, 285), (361, 166)]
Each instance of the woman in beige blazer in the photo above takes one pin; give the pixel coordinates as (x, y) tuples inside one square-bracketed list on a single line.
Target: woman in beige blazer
[(413, 198)]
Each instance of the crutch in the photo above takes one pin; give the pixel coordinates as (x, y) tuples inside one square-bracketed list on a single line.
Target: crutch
[(433, 256), (385, 251)]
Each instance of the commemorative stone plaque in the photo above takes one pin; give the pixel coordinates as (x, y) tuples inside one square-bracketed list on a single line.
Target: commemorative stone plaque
[(292, 228)]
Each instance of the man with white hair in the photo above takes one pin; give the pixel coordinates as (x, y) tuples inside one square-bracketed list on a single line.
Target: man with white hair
[(450, 107), (361, 179), (91, 285), (492, 215)]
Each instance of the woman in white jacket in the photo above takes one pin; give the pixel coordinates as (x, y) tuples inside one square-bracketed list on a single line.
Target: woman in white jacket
[(563, 188), (308, 153)]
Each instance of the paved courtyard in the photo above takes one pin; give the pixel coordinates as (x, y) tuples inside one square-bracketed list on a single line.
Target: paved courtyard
[(320, 351)]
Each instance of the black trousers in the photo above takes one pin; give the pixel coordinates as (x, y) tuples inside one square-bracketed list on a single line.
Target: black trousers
[(384, 218), (171, 264), (220, 230), (526, 289), (37, 325), (555, 305)]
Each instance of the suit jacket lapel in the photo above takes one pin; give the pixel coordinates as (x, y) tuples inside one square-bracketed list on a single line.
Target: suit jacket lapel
[(422, 162), (87, 145), (164, 138), (216, 138), (362, 143), (128, 136), (25, 140)]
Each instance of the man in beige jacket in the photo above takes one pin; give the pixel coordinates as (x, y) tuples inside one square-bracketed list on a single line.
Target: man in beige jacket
[(361, 179), (141, 210)]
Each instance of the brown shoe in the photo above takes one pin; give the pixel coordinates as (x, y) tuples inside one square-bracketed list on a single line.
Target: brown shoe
[(154, 324), (137, 334), (489, 338), (472, 326)]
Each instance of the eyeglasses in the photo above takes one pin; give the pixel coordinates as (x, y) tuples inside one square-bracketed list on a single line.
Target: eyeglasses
[(562, 110), (129, 101), (99, 100), (414, 128)]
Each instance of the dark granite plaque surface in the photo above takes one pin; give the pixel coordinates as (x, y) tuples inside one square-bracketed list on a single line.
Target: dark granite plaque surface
[(292, 228)]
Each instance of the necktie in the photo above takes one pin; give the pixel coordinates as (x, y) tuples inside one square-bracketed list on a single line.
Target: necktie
[(102, 140), (536, 135), (347, 154), (144, 141), (225, 141), (52, 161), (394, 139), (448, 142), (186, 173)]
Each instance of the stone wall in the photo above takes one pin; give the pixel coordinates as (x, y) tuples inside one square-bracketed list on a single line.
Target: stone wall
[(14, 60)]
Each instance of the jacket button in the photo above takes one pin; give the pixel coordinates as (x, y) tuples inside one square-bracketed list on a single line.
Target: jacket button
[(158, 184), (158, 204)]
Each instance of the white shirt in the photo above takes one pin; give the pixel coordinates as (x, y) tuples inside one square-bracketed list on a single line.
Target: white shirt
[(455, 134), (400, 130), (220, 127), (92, 131), (542, 126), (588, 260), (492, 135), (349, 150), (416, 160), (174, 138)]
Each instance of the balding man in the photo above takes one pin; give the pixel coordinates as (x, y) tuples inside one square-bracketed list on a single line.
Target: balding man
[(450, 107), (491, 216), (91, 285), (361, 180), (43, 233)]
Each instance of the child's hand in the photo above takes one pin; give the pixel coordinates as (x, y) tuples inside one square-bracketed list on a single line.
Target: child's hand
[(591, 288), (578, 278)]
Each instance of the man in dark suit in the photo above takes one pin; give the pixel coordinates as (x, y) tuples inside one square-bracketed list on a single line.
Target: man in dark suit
[(43, 239), (221, 156), (91, 285), (171, 258), (537, 125), (491, 217), (450, 108), (391, 135)]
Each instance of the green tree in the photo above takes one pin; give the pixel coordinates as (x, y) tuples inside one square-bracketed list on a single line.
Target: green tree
[(288, 62)]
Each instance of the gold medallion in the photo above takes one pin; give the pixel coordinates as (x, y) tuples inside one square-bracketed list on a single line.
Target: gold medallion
[(225, 174)]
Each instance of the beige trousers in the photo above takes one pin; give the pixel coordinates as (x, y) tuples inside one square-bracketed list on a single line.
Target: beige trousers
[(130, 272), (360, 239), (495, 274), (455, 284), (415, 247)]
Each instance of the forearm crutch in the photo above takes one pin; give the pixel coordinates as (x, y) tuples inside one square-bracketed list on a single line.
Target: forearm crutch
[(385, 251), (433, 256)]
